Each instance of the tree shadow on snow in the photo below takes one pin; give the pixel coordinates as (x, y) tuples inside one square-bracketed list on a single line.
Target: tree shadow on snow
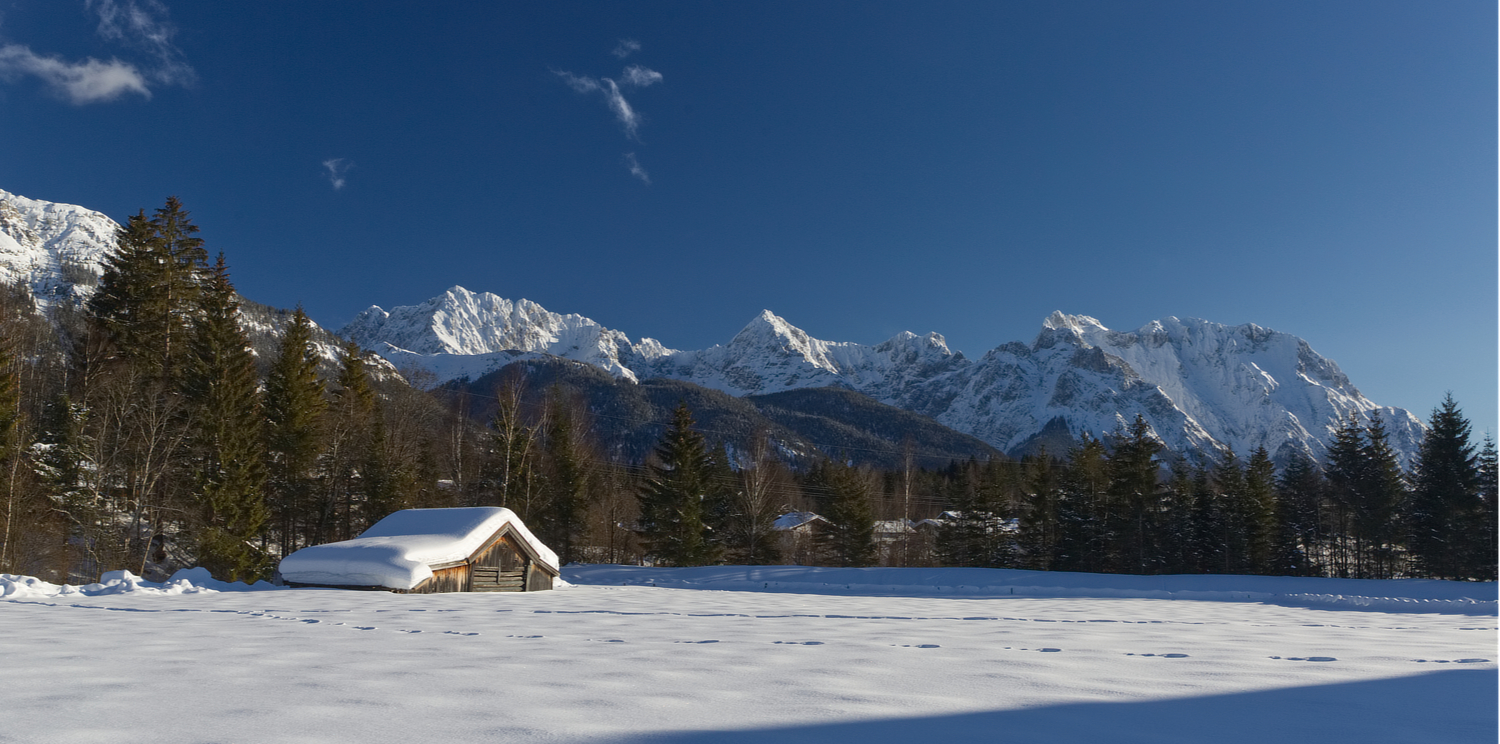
[(1450, 706)]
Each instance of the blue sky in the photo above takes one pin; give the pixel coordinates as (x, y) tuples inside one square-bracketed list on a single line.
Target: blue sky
[(1327, 169)]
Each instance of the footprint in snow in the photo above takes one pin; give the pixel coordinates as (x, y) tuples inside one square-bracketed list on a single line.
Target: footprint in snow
[(1452, 661), (712, 641), (1163, 656), (919, 645), (799, 643), (1305, 658)]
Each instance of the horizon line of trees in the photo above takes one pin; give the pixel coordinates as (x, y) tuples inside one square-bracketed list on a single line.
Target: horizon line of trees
[(142, 431)]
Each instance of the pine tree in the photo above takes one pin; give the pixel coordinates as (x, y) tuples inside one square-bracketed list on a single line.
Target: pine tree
[(1300, 496), (149, 290), (673, 496), (349, 429), (221, 386), (1445, 495), (1381, 495), (1039, 519), (569, 477), (1482, 558), (1260, 512), (1084, 515), (1345, 469), (1234, 511), (1135, 487), (849, 537), (294, 408)]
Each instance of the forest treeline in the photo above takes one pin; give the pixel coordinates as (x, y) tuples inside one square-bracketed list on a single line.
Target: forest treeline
[(142, 430)]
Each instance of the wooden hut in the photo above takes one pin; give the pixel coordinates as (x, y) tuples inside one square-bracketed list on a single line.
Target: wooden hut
[(425, 551)]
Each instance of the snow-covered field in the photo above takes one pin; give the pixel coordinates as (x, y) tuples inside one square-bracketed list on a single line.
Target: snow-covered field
[(782, 654)]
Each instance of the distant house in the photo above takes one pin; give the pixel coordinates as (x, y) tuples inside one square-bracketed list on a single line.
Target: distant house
[(426, 551)]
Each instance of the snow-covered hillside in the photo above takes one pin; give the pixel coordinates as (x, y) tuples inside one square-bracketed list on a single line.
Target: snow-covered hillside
[(1201, 385), (774, 654), (56, 250)]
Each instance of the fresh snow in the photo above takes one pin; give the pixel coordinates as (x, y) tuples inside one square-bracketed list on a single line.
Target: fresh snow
[(398, 551), (1200, 385), (753, 654)]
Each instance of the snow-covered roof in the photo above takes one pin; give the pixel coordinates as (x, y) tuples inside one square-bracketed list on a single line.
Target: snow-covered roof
[(793, 520), (398, 552)]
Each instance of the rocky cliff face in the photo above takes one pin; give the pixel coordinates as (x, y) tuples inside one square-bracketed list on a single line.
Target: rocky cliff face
[(1201, 385)]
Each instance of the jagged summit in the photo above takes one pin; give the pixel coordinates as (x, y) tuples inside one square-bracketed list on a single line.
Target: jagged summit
[(1201, 385)]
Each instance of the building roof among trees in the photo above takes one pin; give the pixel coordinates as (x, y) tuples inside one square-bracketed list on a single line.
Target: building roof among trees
[(400, 551)]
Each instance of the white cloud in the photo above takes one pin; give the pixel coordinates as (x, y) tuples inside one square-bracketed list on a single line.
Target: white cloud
[(640, 76), (635, 168), (612, 95), (626, 47), (89, 81), (143, 24), (337, 167)]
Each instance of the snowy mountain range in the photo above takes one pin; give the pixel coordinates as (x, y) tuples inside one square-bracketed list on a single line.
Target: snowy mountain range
[(57, 252), (1201, 385)]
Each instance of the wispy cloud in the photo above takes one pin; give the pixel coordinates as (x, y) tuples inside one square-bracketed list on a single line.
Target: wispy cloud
[(139, 24), (336, 168), (640, 76), (626, 47), (143, 24), (634, 75), (89, 81), (636, 169)]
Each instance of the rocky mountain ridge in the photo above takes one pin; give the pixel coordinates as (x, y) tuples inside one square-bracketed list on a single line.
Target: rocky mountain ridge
[(1202, 386)]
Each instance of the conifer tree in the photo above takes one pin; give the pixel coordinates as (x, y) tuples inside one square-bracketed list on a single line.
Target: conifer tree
[(569, 476), (1084, 515), (1381, 495), (673, 496), (220, 384), (1233, 507), (1134, 486), (1483, 555), (849, 537), (294, 408), (1300, 495), (1039, 521), (349, 428), (1445, 504), (1260, 512)]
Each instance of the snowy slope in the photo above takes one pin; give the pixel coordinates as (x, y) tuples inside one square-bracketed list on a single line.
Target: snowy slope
[(1200, 385), (776, 654), (56, 250)]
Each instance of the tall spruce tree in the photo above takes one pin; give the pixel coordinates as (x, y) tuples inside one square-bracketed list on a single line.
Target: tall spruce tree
[(569, 474), (294, 407), (1260, 512), (349, 436), (673, 496), (1445, 505), (1483, 557), (1381, 495), (1134, 485), (1300, 496), (1039, 518), (221, 386), (848, 539)]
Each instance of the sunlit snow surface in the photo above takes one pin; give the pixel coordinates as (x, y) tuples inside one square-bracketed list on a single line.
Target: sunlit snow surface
[(791, 654)]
